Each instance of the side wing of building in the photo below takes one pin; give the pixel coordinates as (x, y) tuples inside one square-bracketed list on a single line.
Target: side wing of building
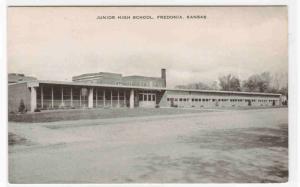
[(215, 99), (17, 93)]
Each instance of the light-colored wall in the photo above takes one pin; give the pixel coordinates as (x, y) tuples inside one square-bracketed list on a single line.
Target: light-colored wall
[(16, 92), (147, 104), (231, 100)]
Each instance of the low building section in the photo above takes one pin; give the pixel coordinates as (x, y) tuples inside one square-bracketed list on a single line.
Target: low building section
[(49, 95), (118, 79), (213, 99), (18, 77)]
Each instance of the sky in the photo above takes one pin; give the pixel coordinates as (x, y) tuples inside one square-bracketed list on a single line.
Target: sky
[(56, 43)]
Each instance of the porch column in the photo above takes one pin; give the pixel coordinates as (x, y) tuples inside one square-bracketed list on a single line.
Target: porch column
[(62, 97), (80, 90), (118, 99), (124, 98), (52, 98), (131, 99), (71, 97), (33, 104), (42, 97), (104, 98), (96, 98), (90, 99), (111, 99)]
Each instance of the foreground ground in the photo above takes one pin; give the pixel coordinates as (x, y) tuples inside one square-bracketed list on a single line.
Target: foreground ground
[(106, 113), (218, 146)]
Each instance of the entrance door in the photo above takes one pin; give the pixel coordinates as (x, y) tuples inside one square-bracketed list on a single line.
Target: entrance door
[(249, 102), (147, 100), (172, 102)]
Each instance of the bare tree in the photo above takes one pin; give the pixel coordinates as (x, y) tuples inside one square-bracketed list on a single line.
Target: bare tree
[(229, 83), (258, 83), (197, 86)]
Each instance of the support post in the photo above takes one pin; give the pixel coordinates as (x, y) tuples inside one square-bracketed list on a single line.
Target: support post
[(42, 97), (104, 98), (71, 97), (111, 99), (80, 90), (131, 99), (124, 98), (52, 98), (62, 96), (91, 99), (96, 98), (33, 99), (118, 99)]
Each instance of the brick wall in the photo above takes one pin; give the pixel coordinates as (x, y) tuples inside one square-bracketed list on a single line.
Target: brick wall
[(16, 92)]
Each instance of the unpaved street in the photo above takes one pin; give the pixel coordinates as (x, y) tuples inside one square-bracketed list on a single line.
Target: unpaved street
[(221, 146)]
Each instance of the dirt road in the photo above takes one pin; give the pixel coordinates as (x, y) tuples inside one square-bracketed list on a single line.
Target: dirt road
[(227, 146)]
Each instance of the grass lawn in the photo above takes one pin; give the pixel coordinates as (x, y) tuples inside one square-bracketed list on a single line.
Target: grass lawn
[(63, 115), (105, 113)]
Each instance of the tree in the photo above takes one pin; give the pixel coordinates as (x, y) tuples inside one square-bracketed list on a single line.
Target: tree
[(258, 83), (229, 83), (196, 86), (22, 108), (284, 91)]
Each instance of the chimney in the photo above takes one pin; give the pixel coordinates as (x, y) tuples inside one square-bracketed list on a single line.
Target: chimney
[(164, 77)]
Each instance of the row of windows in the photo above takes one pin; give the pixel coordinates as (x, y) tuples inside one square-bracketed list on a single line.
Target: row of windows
[(146, 97), (140, 83), (214, 100)]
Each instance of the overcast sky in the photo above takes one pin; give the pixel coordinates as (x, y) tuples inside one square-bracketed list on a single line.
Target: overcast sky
[(57, 43)]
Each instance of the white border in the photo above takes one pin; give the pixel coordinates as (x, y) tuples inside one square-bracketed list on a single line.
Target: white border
[(145, 2), (294, 88)]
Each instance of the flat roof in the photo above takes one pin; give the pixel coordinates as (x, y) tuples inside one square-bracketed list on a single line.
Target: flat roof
[(146, 88)]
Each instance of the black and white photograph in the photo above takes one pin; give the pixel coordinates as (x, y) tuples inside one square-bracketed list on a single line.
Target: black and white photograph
[(147, 94)]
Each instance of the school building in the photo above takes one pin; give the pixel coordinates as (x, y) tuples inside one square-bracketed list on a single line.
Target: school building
[(104, 90)]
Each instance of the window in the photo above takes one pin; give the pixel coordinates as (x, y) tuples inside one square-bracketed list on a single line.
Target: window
[(193, 99), (153, 97), (168, 99), (140, 97), (176, 99), (180, 99)]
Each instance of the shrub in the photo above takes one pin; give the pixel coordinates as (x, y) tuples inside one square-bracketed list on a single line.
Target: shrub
[(22, 108), (37, 110)]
